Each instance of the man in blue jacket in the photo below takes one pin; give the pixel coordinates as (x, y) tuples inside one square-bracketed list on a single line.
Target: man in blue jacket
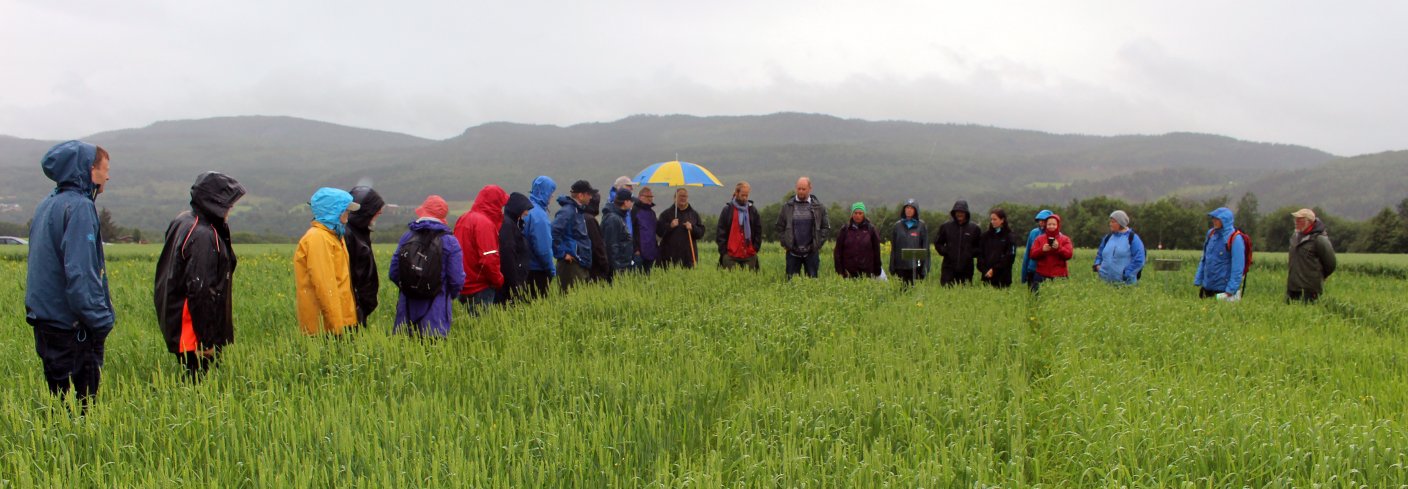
[(570, 243), (537, 230), (1223, 267), (66, 296)]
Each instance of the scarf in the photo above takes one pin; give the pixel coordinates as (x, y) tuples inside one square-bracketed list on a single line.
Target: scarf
[(743, 219)]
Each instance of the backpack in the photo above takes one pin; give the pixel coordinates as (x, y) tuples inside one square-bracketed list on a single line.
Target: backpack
[(419, 265), (1246, 241), (1137, 275)]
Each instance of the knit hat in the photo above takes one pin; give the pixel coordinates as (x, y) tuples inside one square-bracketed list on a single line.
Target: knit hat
[(434, 207), (858, 206), (1121, 218), (1305, 213)]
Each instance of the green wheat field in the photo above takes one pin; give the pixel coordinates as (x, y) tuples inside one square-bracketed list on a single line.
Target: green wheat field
[(708, 378)]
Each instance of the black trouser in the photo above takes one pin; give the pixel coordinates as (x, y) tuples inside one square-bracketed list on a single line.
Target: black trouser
[(909, 276), (1303, 296), (950, 277), (538, 283), (1206, 293), (196, 364), (570, 273), (1000, 278), (71, 357), (644, 266)]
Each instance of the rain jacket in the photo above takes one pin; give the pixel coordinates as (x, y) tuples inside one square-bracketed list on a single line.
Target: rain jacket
[(320, 269), (646, 242), (821, 228), (569, 232), (957, 242), (735, 245), (601, 261), (1221, 270), (1312, 260), (997, 250), (513, 249), (537, 227), (478, 234), (1053, 263), (432, 316), (909, 234), (1120, 257), (857, 252), (619, 242), (1029, 264), (678, 246), (67, 283), (365, 275), (194, 291)]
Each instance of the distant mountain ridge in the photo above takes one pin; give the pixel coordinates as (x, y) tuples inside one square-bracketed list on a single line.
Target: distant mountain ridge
[(281, 160)]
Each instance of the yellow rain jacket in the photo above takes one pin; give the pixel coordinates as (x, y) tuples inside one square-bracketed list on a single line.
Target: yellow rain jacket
[(320, 269)]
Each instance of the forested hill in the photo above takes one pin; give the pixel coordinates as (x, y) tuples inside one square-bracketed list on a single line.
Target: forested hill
[(281, 160)]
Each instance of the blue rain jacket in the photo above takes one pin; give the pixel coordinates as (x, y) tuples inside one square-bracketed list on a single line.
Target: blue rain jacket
[(1121, 257), (569, 232), (1222, 270), (537, 227), (67, 284)]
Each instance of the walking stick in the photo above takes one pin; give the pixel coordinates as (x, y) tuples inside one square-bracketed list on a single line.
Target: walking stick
[(693, 258)]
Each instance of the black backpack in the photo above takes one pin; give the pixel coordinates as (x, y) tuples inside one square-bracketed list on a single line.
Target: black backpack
[(419, 265), (1137, 275)]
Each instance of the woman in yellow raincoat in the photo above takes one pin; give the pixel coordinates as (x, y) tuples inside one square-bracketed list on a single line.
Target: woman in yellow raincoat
[(320, 267)]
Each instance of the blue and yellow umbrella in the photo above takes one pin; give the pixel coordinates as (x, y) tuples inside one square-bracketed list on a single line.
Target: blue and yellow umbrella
[(677, 174)]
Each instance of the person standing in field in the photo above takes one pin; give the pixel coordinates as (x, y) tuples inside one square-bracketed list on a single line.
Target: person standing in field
[(857, 252), (957, 243), (997, 251), (740, 231), (428, 267), (570, 243), (537, 231), (601, 262), (1223, 267), (320, 266), (513, 250), (66, 298), (803, 229), (647, 248), (622, 183), (365, 281), (1120, 257), (1312, 258), (1052, 250), (194, 289), (619, 247), (477, 232), (909, 233), (1029, 264), (679, 228)]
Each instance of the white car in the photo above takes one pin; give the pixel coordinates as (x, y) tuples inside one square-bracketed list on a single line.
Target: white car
[(11, 240)]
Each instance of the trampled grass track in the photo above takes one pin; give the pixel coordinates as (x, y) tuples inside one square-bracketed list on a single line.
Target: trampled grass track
[(709, 378)]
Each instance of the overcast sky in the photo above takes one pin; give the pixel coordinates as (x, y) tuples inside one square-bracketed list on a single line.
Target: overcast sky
[(1330, 75)]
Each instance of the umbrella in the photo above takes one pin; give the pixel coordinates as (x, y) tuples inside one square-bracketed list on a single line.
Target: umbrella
[(677, 174)]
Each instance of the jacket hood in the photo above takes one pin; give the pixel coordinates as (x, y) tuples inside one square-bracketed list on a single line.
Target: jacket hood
[(1227, 217), (593, 207), (490, 202), (566, 200), (1318, 227), (428, 224), (517, 204), (70, 165), (371, 203), (961, 205), (543, 187), (214, 194), (1045, 213), (1056, 218), (327, 204), (907, 204)]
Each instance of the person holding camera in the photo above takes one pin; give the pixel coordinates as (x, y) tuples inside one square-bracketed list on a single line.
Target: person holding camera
[(1051, 250)]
